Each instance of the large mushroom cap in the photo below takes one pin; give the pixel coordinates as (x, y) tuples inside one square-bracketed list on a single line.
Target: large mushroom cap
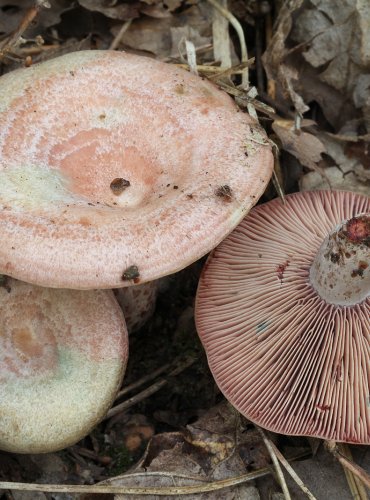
[(286, 358), (115, 167), (62, 357)]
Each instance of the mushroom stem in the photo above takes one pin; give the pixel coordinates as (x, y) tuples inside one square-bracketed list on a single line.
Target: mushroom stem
[(340, 272), (137, 303)]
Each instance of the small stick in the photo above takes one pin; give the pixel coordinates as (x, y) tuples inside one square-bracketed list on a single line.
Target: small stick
[(146, 490), (354, 483), (32, 51), (259, 52), (275, 461), (271, 84), (84, 452), (243, 96), (238, 69), (348, 464), (277, 169), (239, 30), (292, 472), (216, 71), (143, 380), (29, 16), (117, 39), (149, 391)]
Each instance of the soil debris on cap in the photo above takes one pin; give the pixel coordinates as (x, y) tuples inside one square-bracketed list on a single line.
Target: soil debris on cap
[(118, 185)]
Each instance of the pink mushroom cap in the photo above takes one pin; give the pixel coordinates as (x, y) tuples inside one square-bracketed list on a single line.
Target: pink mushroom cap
[(63, 354), (117, 168), (285, 357)]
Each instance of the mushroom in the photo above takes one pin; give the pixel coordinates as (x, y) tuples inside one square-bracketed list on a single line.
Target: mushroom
[(283, 311), (137, 303), (117, 169), (62, 358)]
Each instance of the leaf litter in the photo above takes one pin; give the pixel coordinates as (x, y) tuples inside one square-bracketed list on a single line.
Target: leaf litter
[(314, 101)]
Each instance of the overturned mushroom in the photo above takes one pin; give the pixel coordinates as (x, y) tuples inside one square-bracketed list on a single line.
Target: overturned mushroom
[(62, 357), (283, 310), (134, 172)]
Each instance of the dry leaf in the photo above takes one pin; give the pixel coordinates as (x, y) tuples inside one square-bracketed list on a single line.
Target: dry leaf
[(216, 447), (275, 56), (161, 36), (328, 46), (348, 173), (12, 12), (112, 9), (306, 147)]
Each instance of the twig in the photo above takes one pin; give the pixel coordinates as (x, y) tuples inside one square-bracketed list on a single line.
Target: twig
[(243, 96), (191, 56), (292, 472), (216, 71), (271, 84), (355, 485), (239, 30), (234, 70), (221, 37), (143, 380), (146, 490), (117, 39), (84, 452), (275, 461), (259, 52), (29, 16), (149, 391), (348, 464), (275, 178), (32, 51), (281, 108), (199, 50)]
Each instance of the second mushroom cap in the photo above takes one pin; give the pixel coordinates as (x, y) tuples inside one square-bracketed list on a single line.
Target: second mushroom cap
[(116, 169), (286, 355)]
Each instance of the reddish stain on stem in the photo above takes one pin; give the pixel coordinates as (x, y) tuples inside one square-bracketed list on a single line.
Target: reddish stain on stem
[(358, 229)]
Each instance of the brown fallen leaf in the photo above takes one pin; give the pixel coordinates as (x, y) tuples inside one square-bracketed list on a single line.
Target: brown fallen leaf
[(161, 35), (347, 168), (323, 57), (218, 446), (306, 147), (121, 11), (275, 58)]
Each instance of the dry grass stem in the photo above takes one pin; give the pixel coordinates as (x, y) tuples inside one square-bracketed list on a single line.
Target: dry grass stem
[(348, 464), (292, 472), (16, 37), (221, 37), (115, 490), (245, 99), (191, 56), (355, 485), (233, 70), (275, 461), (117, 39), (277, 174), (149, 391), (174, 490), (143, 380), (239, 30), (212, 72)]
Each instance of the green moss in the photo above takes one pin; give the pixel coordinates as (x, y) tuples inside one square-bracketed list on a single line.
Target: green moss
[(122, 460)]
